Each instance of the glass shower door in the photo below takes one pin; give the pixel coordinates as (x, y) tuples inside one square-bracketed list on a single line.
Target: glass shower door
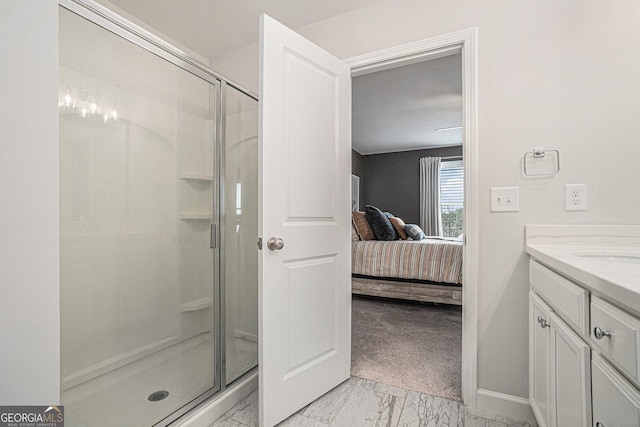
[(137, 187), (240, 229)]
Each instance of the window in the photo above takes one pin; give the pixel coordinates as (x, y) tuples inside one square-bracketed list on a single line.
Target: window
[(451, 197)]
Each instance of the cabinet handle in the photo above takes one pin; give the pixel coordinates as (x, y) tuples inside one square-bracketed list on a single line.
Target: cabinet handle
[(599, 424), (543, 322), (599, 333)]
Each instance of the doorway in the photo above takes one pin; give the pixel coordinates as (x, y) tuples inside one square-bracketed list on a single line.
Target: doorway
[(463, 42)]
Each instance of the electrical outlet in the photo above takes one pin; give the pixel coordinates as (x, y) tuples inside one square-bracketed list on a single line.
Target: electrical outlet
[(575, 197), (505, 199)]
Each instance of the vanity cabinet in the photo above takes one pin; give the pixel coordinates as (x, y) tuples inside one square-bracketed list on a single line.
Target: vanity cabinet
[(560, 375), (584, 355)]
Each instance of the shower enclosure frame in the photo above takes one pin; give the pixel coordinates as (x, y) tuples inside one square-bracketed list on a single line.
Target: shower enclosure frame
[(114, 23)]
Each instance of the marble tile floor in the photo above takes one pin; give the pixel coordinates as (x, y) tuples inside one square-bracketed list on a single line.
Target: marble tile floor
[(362, 403)]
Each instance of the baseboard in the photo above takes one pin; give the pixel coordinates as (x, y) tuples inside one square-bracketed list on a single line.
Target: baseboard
[(219, 405), (493, 404)]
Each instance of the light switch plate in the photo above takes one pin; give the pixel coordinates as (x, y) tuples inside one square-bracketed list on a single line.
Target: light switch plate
[(505, 199)]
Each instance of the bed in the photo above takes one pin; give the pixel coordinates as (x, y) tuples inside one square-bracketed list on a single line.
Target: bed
[(420, 270)]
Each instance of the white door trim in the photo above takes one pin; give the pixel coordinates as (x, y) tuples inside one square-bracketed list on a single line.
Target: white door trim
[(465, 42)]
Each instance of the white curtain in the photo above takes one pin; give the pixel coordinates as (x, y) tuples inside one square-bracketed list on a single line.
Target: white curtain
[(430, 211)]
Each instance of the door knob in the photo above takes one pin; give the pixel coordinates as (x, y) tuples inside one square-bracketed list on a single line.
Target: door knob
[(599, 333), (275, 244)]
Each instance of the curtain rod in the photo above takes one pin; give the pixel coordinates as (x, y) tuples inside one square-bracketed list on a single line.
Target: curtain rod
[(451, 158)]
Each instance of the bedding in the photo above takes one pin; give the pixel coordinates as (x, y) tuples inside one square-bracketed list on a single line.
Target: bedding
[(435, 260)]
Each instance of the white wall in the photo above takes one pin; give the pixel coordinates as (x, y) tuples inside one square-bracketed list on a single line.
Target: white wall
[(560, 74), (29, 274)]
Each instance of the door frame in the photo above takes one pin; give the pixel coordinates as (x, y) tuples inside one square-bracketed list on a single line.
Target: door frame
[(465, 43)]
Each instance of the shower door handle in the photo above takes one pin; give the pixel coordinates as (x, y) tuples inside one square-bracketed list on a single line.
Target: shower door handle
[(275, 244), (214, 236)]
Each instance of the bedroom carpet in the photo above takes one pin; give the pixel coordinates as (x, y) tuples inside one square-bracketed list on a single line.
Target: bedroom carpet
[(416, 346)]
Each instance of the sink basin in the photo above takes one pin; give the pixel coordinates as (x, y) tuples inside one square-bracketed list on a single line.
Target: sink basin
[(627, 258)]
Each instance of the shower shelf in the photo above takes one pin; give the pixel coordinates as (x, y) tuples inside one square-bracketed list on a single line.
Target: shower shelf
[(196, 177), (196, 305), (198, 216)]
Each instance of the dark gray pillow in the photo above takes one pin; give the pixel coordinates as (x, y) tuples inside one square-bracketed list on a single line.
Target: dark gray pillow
[(380, 224), (414, 231)]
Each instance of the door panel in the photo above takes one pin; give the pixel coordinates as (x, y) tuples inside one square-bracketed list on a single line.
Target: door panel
[(312, 312), (305, 161), (311, 190)]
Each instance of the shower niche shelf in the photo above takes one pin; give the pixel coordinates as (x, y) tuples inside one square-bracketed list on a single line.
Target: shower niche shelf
[(196, 216), (196, 177), (197, 305)]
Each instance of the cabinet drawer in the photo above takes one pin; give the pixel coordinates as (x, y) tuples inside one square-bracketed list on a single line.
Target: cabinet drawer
[(616, 403), (567, 299), (622, 336)]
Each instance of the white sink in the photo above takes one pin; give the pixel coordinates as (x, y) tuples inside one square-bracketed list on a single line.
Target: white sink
[(627, 258)]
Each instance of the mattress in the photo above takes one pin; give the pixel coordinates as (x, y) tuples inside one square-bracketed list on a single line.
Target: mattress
[(435, 260)]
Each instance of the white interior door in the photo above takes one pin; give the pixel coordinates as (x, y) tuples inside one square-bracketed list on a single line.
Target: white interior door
[(305, 160)]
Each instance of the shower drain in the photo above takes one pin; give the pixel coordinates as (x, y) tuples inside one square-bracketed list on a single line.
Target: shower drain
[(156, 396)]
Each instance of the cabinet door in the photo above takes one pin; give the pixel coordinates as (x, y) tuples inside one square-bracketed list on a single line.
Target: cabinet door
[(539, 391), (615, 402), (570, 375)]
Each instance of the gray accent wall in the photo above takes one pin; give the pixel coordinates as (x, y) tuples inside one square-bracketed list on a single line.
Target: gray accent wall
[(391, 181)]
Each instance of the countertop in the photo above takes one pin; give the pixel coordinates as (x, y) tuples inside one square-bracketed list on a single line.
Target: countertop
[(618, 280)]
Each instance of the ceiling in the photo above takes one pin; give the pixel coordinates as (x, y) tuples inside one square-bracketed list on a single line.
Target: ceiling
[(393, 110), (213, 27), (399, 109)]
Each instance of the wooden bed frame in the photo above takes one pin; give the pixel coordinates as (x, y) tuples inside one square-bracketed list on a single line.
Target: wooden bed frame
[(428, 292)]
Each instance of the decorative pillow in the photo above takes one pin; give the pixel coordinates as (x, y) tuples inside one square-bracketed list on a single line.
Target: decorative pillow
[(362, 226), (414, 231), (380, 224), (354, 233), (398, 225), (390, 215)]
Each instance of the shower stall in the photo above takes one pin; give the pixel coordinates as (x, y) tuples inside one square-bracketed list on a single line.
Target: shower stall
[(158, 225)]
